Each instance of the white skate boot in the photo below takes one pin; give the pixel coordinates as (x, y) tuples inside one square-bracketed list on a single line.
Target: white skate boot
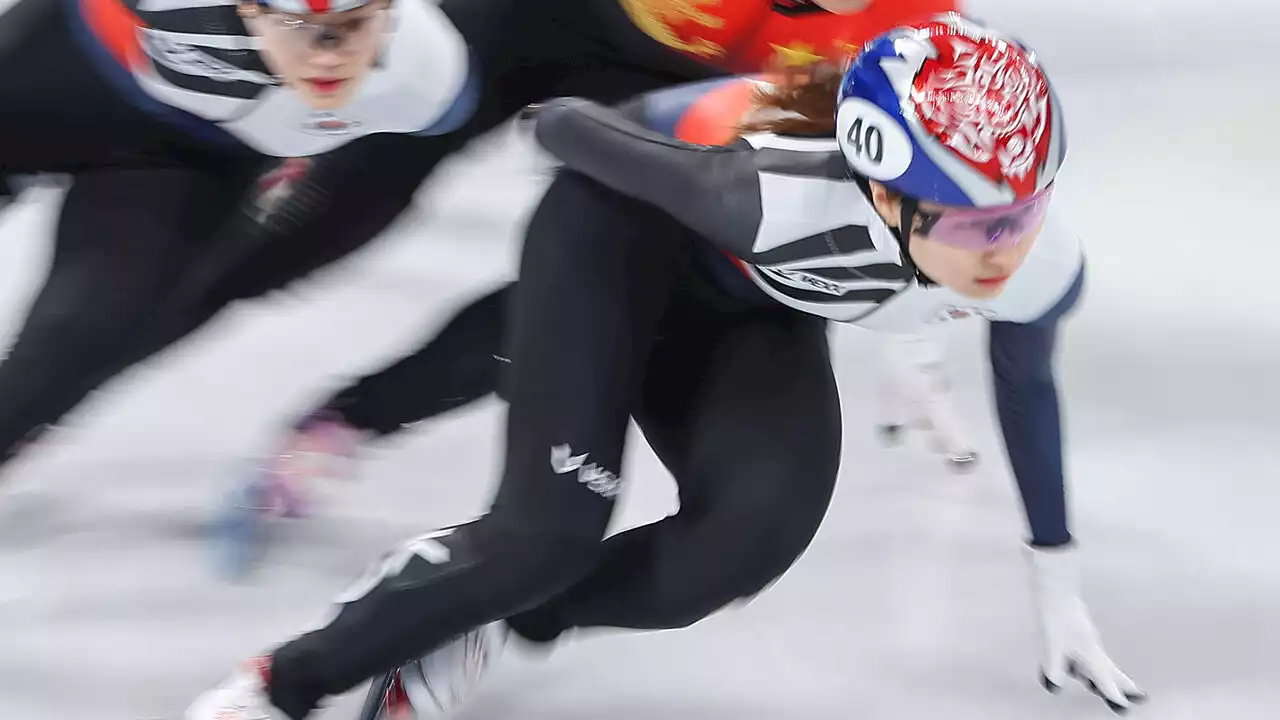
[(947, 442), (914, 391), (321, 448), (243, 696), (439, 683)]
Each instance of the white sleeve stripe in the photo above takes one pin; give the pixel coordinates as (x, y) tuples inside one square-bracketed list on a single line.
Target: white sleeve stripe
[(170, 5), (220, 42), (217, 108)]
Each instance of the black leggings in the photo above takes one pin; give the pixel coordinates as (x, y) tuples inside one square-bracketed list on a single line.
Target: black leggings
[(161, 231), (462, 363), (611, 319)]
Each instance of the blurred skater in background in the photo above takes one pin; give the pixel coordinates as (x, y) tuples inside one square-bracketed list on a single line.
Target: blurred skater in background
[(914, 393)]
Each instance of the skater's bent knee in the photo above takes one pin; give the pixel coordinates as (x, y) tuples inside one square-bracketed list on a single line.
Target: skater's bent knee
[(760, 535), (780, 506), (732, 559), (771, 541)]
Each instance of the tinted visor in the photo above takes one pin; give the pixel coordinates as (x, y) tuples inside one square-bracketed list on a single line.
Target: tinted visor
[(984, 228)]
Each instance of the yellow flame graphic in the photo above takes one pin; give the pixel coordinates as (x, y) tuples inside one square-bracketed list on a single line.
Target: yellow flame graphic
[(656, 17)]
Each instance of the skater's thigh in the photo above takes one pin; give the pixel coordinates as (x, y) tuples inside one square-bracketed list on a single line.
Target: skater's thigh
[(675, 383), (122, 241), (122, 238), (757, 447)]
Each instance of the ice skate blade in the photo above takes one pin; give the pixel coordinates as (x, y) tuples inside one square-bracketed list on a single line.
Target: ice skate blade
[(963, 463)]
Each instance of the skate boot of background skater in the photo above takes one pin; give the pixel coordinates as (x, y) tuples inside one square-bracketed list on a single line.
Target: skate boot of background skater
[(937, 417), (240, 530), (440, 682), (243, 696), (914, 393), (934, 415), (320, 448), (893, 412)]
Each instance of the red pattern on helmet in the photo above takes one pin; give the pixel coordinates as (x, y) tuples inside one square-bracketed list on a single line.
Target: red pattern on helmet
[(986, 99), (318, 6)]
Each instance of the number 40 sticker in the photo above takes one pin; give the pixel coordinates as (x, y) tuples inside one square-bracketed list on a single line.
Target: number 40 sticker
[(874, 143), (867, 141)]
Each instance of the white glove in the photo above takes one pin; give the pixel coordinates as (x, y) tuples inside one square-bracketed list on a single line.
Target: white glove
[(1071, 644)]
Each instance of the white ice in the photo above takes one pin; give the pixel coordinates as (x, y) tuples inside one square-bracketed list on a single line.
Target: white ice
[(913, 601)]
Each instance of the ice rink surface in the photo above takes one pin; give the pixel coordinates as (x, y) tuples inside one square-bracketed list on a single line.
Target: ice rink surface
[(913, 602)]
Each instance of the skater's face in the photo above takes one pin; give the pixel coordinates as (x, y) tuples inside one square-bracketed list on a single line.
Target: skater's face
[(322, 56), (974, 272)]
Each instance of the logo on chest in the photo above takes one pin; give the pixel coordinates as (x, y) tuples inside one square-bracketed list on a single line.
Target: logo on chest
[(955, 312), (326, 124), (805, 281), (278, 185)]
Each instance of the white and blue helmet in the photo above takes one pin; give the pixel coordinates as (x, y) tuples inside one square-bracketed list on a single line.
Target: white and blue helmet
[(951, 112)]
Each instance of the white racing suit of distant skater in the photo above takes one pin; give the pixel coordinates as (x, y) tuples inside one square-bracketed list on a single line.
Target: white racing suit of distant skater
[(198, 58), (913, 392)]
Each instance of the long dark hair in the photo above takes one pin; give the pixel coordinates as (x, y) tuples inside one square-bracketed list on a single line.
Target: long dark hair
[(801, 101)]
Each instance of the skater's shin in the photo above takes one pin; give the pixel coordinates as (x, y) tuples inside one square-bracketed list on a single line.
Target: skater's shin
[(425, 593)]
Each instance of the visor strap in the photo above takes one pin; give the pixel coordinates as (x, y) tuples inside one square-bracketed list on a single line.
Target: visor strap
[(905, 224)]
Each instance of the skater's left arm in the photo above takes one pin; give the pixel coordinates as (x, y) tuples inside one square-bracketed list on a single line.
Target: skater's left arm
[(1027, 404)]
